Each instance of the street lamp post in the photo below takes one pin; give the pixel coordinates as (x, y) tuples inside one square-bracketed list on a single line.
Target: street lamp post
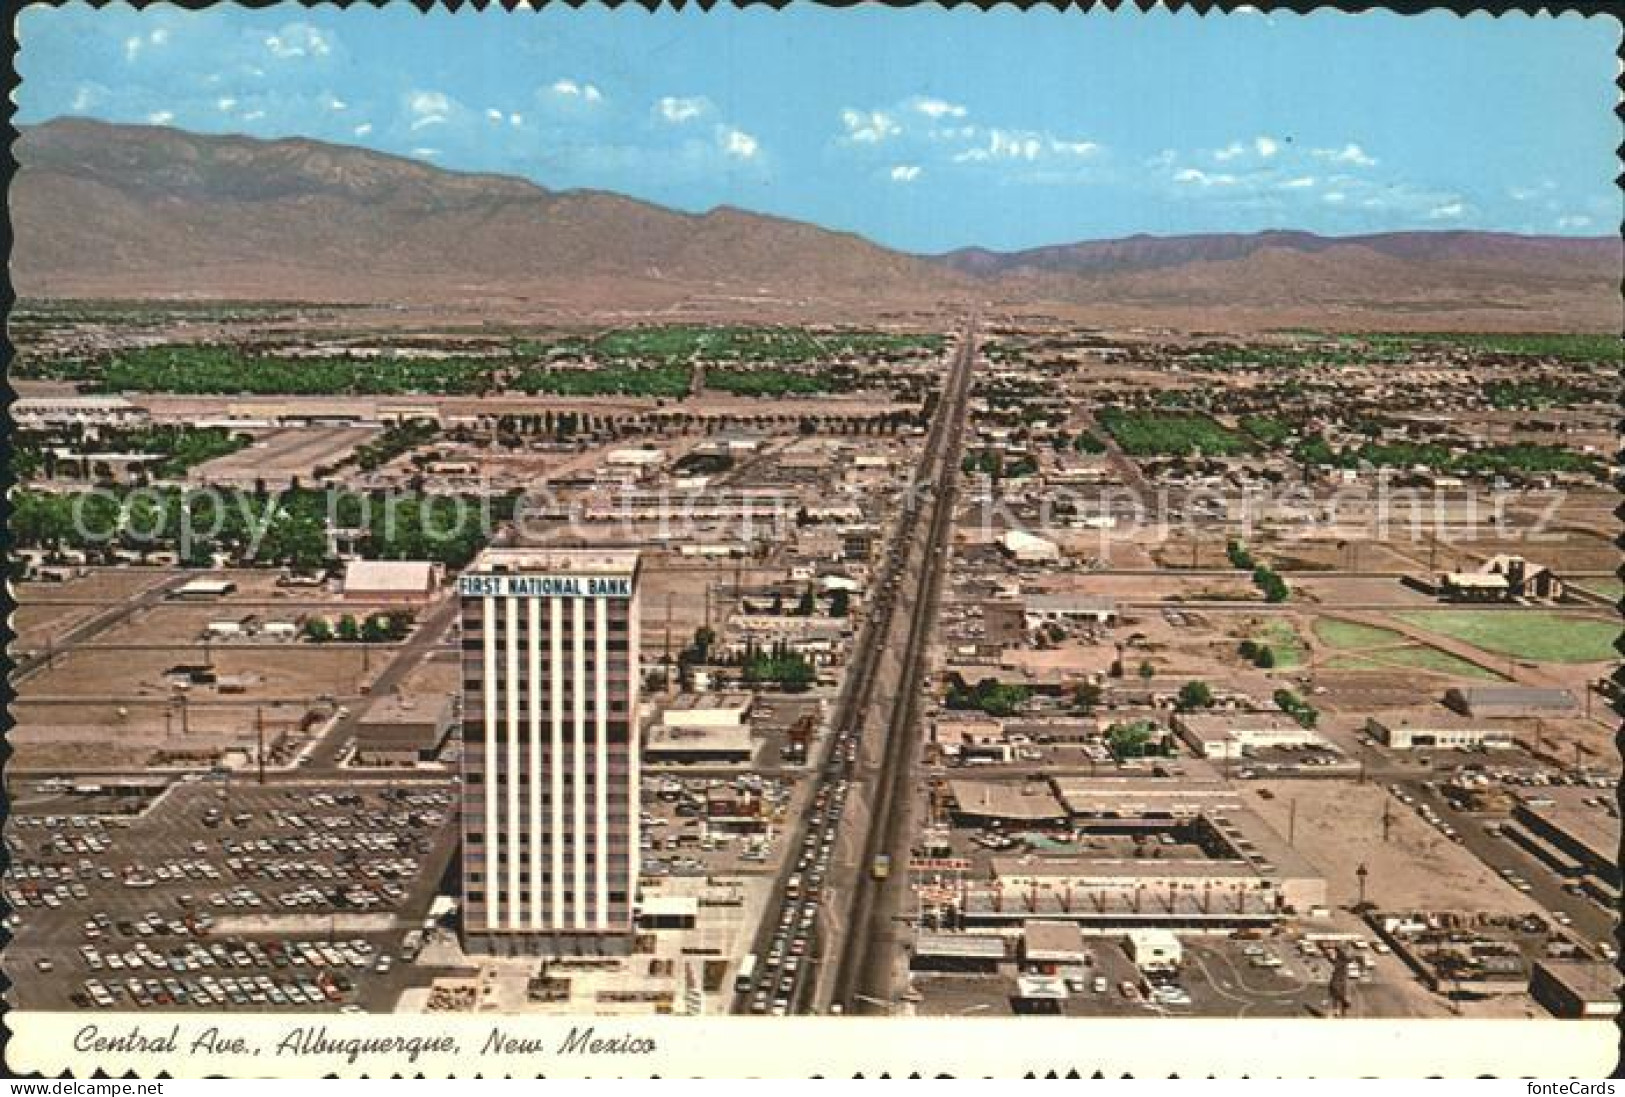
[(1360, 874)]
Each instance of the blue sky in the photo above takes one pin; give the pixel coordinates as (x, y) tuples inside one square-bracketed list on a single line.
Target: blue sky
[(921, 129)]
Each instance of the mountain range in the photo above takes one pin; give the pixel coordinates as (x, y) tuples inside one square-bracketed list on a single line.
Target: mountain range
[(124, 211)]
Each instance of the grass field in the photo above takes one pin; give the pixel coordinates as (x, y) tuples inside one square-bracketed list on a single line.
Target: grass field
[(1541, 637), (1348, 636), (1613, 589), (1414, 657), (1284, 643)]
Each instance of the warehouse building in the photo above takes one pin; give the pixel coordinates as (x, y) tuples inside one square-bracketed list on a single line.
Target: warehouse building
[(1437, 729), (1510, 702), (1576, 988)]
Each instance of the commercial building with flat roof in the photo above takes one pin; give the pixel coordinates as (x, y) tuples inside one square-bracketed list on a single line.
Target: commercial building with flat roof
[(1510, 702), (550, 751), (1438, 728), (1235, 734)]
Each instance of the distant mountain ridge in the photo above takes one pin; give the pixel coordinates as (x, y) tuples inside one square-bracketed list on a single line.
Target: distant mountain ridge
[(111, 210)]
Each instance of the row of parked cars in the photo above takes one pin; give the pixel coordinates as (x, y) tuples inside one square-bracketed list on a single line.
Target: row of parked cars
[(276, 972)]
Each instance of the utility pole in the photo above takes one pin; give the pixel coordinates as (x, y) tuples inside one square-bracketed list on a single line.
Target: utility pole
[(1291, 820), (259, 735), (1387, 818)]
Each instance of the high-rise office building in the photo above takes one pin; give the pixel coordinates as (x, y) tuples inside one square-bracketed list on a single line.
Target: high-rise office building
[(550, 751)]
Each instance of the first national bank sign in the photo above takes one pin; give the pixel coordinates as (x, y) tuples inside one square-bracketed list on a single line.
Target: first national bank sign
[(544, 586)]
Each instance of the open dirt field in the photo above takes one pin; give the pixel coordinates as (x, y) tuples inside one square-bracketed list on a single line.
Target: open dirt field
[(1417, 868)]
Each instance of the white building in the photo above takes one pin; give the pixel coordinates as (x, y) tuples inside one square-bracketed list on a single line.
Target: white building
[(1027, 548), (550, 756)]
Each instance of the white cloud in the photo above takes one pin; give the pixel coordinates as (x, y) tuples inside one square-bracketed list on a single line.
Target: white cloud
[(226, 104), (737, 143), (334, 103), (161, 117), (869, 127), (1302, 182), (516, 119), (1335, 197), (494, 115), (428, 108), (426, 153), (1229, 152), (1449, 211), (1199, 178), (679, 109), (905, 173), (363, 129), (1073, 148), (298, 40), (937, 109), (1164, 159), (1348, 154), (1266, 146), (82, 98), (1574, 221), (135, 44), (253, 116), (572, 89)]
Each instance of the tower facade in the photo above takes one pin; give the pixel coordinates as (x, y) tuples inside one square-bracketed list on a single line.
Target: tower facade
[(550, 751)]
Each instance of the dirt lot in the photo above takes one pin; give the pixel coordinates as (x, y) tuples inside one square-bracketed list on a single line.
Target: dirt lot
[(276, 674), (1417, 868)]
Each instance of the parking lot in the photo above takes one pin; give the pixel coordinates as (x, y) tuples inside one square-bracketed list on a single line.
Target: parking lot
[(297, 896)]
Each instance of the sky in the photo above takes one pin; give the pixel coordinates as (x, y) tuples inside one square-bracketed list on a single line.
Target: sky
[(922, 129)]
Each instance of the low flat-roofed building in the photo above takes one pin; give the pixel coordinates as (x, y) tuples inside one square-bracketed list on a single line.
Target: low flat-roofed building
[(1152, 801), (1050, 942), (1473, 586), (391, 580), (1437, 728), (1040, 994), (969, 740), (708, 710), (725, 744), (1005, 802), (402, 729), (58, 411), (1510, 702), (1069, 608), (1231, 735), (982, 953), (1576, 988), (1154, 949), (1570, 820), (668, 911), (205, 588), (1027, 548)]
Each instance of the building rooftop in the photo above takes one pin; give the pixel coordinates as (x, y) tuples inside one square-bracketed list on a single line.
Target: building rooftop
[(389, 576), (1058, 939), (584, 561), (1010, 800), (959, 946), (1525, 697)]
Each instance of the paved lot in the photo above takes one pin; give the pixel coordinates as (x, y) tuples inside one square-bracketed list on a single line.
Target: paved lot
[(223, 881)]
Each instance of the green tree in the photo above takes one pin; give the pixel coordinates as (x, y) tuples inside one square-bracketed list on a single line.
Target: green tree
[(1194, 695), (318, 630)]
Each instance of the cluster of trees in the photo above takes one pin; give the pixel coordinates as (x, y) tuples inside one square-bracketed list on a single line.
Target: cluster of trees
[(1297, 708), (1271, 583), (1239, 557), (1194, 696), (1512, 459), (993, 463), (1259, 655), (376, 628), (1137, 739), (396, 439), (778, 665), (291, 526), (218, 369), (987, 696), (1155, 433)]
